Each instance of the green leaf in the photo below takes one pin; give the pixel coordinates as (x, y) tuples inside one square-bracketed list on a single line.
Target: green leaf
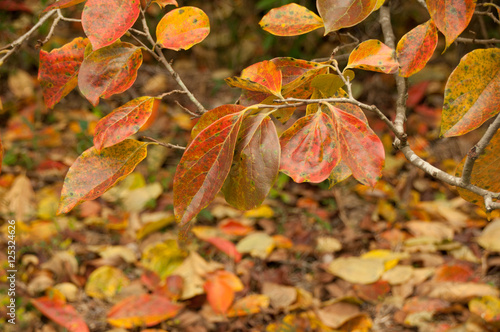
[(255, 164), (122, 122), (95, 172), (338, 14), (290, 20), (471, 94), (58, 72), (375, 56), (104, 21), (109, 70), (62, 4), (262, 77), (182, 28)]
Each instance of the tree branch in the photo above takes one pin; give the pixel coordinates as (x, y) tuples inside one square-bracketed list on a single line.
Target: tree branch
[(477, 41), (167, 145)]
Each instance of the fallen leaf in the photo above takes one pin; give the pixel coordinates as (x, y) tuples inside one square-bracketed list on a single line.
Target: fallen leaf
[(248, 305), (163, 258), (357, 270), (61, 313), (488, 308), (257, 244), (280, 296), (105, 282), (337, 314)]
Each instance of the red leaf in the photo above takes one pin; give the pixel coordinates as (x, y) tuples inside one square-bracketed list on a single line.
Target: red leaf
[(451, 16), (225, 246), (255, 163), (292, 69), (124, 121), (109, 70), (416, 48), (338, 14), (61, 313), (142, 310), (290, 20), (262, 76), (62, 4), (182, 28), (309, 149), (234, 227), (204, 167), (375, 56), (213, 115), (104, 21), (58, 72), (362, 150), (95, 172), (220, 295), (456, 272)]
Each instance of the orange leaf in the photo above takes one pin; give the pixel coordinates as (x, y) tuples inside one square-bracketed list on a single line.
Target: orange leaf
[(338, 14), (290, 20), (375, 56), (262, 77), (220, 295), (234, 227), (248, 305), (61, 313)]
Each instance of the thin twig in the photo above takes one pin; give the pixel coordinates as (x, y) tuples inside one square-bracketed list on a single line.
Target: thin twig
[(477, 41), (345, 80), (167, 145), (185, 109), (52, 28), (170, 93)]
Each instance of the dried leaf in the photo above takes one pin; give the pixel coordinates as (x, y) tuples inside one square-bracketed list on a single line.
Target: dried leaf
[(290, 20), (375, 56), (338, 14), (61, 313), (249, 305), (357, 270), (280, 296), (257, 244), (490, 235), (335, 315), (488, 308)]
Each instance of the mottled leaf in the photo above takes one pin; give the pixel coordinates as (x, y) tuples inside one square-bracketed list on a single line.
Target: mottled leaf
[(416, 48), (58, 71), (451, 16), (327, 84), (309, 149), (104, 21), (62, 4), (471, 94), (61, 313), (122, 122), (339, 173), (375, 56), (204, 167), (163, 3), (213, 115), (95, 172), (338, 14), (263, 76), (488, 308), (182, 28), (290, 20), (255, 164), (109, 70), (142, 310)]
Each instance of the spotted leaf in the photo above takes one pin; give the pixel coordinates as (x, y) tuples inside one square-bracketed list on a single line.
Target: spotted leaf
[(262, 77), (290, 20), (213, 115), (471, 94), (62, 4), (375, 56), (182, 28), (109, 70), (104, 21), (338, 14), (416, 48), (95, 172)]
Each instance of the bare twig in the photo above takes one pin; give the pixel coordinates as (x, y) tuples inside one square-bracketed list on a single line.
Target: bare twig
[(345, 80), (489, 14), (477, 41), (167, 145), (185, 109), (170, 93)]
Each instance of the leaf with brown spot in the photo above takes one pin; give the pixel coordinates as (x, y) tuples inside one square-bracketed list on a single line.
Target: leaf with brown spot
[(338, 14), (109, 70), (309, 149), (123, 122), (471, 94), (60, 312), (62, 4), (290, 20), (182, 28), (416, 48), (95, 172), (262, 76), (451, 16), (213, 115), (375, 56), (104, 21), (58, 71)]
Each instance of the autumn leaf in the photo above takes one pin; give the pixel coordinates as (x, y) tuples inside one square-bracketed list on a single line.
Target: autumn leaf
[(182, 28), (416, 48), (451, 16), (104, 21), (122, 122), (213, 115), (309, 149), (204, 166), (58, 71), (163, 3), (249, 305), (488, 308), (60, 312), (105, 282), (262, 77), (290, 20), (220, 288), (109, 70), (62, 4), (225, 246), (471, 93), (95, 172), (163, 257), (338, 14), (142, 310), (375, 56), (255, 163)]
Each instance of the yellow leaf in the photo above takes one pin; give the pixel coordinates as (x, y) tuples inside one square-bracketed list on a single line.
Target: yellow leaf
[(105, 282), (163, 258), (357, 270), (263, 211), (257, 244)]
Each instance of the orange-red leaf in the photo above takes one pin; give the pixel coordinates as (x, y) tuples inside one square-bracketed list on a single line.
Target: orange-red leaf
[(95, 172), (142, 310), (309, 149), (204, 167), (109, 70), (58, 72), (471, 94), (375, 56), (62, 4), (338, 14), (213, 115), (220, 288), (234, 227), (451, 16), (225, 246), (416, 48), (104, 21), (122, 122), (290, 20), (262, 77), (182, 28), (60, 312)]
